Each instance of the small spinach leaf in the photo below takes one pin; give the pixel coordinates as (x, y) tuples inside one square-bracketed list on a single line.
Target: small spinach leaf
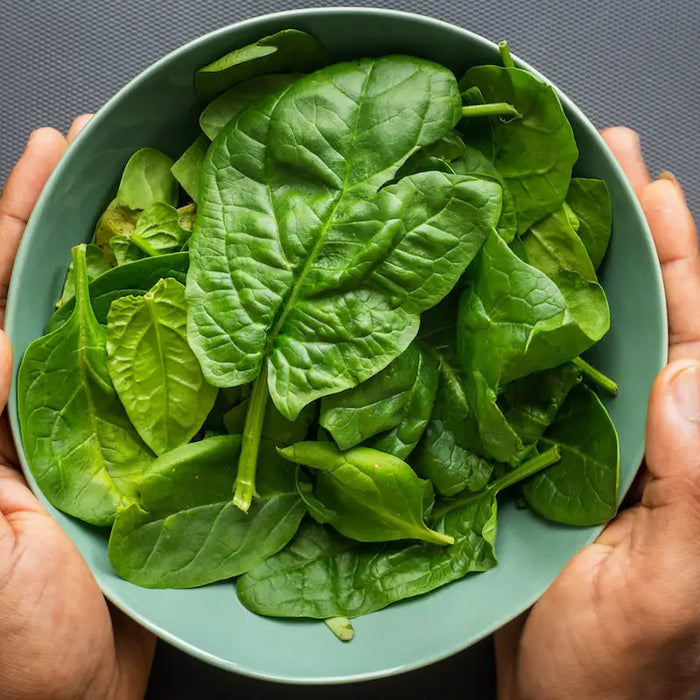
[(185, 531), (125, 250), (115, 221), (582, 488), (288, 51), (365, 494), (146, 180), (80, 445), (96, 266), (187, 169), (155, 373), (158, 230), (590, 201)]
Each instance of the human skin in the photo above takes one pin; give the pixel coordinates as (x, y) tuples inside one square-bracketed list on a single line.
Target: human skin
[(59, 639), (622, 620)]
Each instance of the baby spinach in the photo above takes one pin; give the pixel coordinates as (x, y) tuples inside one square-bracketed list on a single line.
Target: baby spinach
[(535, 153), (341, 277), (131, 278), (188, 167), (590, 201), (288, 51), (365, 494), (115, 221), (229, 105), (158, 230), (146, 180), (96, 266), (184, 531), (125, 250), (80, 445), (321, 574), (154, 372), (582, 488), (397, 399)]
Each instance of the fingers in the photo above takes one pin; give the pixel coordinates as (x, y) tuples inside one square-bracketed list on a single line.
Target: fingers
[(77, 126), (624, 143), (675, 238), (506, 642), (44, 149)]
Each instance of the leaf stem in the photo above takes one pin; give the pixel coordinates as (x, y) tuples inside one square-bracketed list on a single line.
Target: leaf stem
[(250, 443), (341, 628), (596, 376), (491, 109), (523, 471), (82, 304), (506, 58)]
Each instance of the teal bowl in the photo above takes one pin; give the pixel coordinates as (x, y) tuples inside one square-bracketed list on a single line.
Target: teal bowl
[(159, 109)]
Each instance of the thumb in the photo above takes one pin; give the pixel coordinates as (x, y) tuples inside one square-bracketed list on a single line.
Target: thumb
[(673, 459)]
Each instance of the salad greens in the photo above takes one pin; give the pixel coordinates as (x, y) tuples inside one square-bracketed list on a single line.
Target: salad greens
[(312, 351)]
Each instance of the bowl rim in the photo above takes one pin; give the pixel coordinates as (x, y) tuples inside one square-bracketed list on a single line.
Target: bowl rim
[(95, 124)]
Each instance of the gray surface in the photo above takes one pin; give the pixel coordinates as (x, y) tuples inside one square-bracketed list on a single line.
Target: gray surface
[(631, 62)]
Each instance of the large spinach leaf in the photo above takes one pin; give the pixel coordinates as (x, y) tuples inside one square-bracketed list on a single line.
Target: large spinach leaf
[(321, 574), (133, 278), (288, 51), (590, 201), (366, 494), (292, 220), (80, 445), (155, 373), (582, 488), (185, 531), (535, 153)]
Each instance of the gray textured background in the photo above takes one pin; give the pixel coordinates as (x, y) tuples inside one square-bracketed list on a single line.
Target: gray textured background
[(629, 62)]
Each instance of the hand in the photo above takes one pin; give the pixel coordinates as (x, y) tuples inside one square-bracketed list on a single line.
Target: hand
[(58, 636), (623, 618)]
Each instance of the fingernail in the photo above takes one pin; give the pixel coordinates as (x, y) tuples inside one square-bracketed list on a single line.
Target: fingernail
[(668, 175), (686, 393)]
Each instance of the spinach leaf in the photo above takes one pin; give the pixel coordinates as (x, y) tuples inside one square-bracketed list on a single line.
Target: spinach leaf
[(96, 266), (80, 445), (402, 393), (185, 531), (582, 488), (365, 494), (146, 180), (340, 276), (553, 245), (534, 154), (288, 51), (125, 250), (131, 278), (590, 201), (188, 167), (473, 162), (155, 374), (531, 403), (477, 132), (321, 574), (115, 221), (229, 105), (158, 230)]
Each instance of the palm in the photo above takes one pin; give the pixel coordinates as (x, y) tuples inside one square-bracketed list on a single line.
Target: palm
[(59, 638)]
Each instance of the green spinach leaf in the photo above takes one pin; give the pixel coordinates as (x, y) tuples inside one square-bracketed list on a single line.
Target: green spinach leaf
[(155, 374), (321, 574), (80, 445), (96, 266), (158, 230), (185, 531), (275, 427), (534, 154), (187, 169), (582, 488), (365, 494), (115, 221), (288, 51), (590, 201), (146, 180), (125, 250)]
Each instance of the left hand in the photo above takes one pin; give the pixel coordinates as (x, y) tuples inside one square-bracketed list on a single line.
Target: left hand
[(59, 639)]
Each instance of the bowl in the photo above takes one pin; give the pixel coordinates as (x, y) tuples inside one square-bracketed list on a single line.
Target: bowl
[(159, 109)]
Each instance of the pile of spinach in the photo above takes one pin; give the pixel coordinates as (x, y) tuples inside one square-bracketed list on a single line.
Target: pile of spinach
[(312, 351)]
